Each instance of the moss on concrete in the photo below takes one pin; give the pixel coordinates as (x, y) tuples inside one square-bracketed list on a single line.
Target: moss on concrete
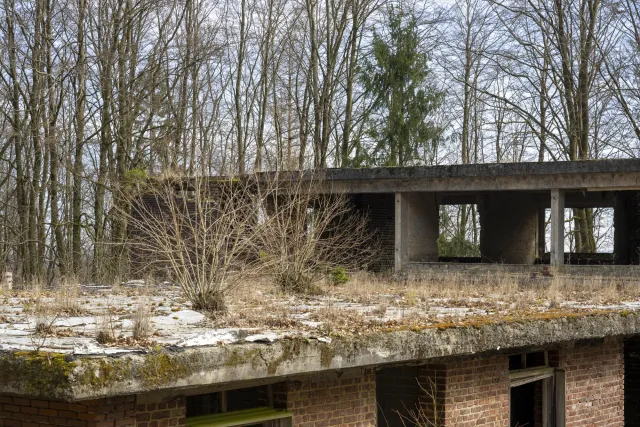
[(37, 373), (240, 356), (159, 368), (290, 349)]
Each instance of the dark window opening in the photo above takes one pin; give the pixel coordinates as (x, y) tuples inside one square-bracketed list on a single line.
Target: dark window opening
[(227, 401), (526, 405), (397, 394)]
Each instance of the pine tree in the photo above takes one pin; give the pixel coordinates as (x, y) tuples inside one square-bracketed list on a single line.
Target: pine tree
[(395, 76)]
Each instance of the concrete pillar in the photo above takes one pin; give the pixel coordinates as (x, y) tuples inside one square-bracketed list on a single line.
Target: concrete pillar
[(401, 221), (416, 228), (508, 227), (557, 227)]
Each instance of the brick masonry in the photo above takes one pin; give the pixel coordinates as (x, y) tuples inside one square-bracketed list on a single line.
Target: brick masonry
[(594, 384), (108, 412), (469, 393), (318, 402), (461, 393)]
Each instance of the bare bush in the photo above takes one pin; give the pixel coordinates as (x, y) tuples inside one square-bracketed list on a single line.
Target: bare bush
[(199, 232), (307, 235)]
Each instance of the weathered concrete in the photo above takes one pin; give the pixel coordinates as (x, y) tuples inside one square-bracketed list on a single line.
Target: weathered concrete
[(508, 228), (601, 175), (417, 227), (557, 227), (72, 378), (617, 272)]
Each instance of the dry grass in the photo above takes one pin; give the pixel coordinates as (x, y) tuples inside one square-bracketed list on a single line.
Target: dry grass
[(368, 288), (379, 302), (106, 331), (142, 321)]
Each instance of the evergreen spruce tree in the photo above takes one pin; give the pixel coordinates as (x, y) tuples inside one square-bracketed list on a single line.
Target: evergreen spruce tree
[(395, 76)]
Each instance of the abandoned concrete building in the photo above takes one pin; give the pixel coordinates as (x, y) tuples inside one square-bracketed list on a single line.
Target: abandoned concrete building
[(577, 364), (511, 198)]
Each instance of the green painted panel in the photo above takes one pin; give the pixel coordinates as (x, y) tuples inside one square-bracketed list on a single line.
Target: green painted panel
[(238, 418)]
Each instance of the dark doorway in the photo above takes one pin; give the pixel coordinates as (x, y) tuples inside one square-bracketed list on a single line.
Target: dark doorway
[(397, 394), (523, 400)]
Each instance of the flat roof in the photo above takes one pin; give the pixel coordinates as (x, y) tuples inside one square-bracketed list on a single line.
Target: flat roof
[(49, 346), (592, 175)]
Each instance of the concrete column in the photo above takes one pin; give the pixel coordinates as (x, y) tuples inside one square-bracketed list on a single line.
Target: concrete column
[(401, 221), (557, 227), (416, 228), (508, 227)]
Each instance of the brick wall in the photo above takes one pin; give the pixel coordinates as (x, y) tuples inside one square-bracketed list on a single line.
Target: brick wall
[(108, 412), (318, 402), (169, 413), (594, 384), (380, 208), (471, 393), (631, 382)]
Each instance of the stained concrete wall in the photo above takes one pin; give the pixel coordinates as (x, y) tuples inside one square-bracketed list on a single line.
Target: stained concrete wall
[(508, 227), (416, 228)]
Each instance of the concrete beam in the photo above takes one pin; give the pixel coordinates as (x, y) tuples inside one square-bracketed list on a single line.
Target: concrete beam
[(557, 227)]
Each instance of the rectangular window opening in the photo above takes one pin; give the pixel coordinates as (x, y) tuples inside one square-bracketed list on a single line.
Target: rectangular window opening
[(599, 251), (249, 407), (537, 390), (459, 234)]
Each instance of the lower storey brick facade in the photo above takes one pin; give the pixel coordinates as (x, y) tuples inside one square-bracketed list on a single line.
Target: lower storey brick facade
[(577, 385)]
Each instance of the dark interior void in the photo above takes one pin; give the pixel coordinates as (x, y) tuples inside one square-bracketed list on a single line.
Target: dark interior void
[(397, 394), (526, 405), (631, 382), (226, 401)]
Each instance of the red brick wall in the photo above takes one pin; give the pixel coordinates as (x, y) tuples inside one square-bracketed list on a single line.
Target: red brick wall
[(317, 402), (472, 393), (594, 385), (109, 412), (170, 413)]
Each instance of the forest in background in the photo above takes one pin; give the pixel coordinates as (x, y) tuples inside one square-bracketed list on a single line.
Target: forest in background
[(96, 95)]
